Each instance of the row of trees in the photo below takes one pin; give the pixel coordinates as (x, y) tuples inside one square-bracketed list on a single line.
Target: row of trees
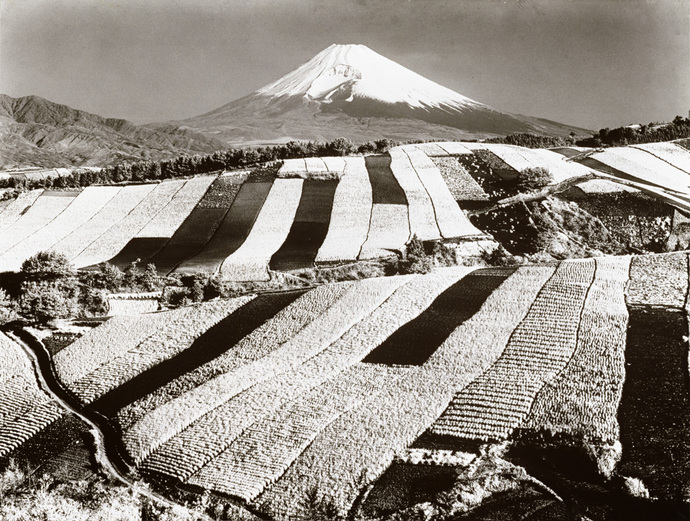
[(534, 140), (183, 166), (631, 135)]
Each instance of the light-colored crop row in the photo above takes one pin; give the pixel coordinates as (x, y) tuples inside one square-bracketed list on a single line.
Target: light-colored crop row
[(494, 404), (452, 222), (171, 418), (555, 163), (11, 359), (434, 149), (173, 335), (169, 219), (363, 442), (37, 418), (298, 372), (46, 208), (454, 149), (290, 166), (18, 394), (584, 397), (644, 167), (108, 341), (119, 234), (24, 408), (389, 231), (266, 448), (335, 163), (350, 215), (84, 206), (315, 165), (16, 209), (271, 228), (264, 339), (419, 205), (669, 152), (659, 280), (112, 213)]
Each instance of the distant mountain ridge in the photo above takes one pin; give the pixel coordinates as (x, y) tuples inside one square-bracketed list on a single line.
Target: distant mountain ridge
[(344, 91), (35, 131), (351, 91)]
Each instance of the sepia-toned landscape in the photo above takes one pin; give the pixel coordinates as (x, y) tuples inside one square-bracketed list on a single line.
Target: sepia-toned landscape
[(351, 294)]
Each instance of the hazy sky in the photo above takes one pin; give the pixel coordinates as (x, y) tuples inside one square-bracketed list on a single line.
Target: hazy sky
[(591, 63)]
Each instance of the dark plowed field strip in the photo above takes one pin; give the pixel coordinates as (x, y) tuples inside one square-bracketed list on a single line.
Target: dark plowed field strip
[(208, 346), (141, 248), (417, 340), (384, 186), (233, 230), (654, 413), (309, 228), (198, 227)]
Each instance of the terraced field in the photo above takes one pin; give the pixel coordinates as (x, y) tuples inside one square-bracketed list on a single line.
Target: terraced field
[(314, 211), (330, 210), (25, 409), (273, 398)]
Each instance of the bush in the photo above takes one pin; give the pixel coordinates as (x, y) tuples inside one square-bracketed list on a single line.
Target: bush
[(49, 287), (532, 179), (7, 308), (415, 259), (635, 487)]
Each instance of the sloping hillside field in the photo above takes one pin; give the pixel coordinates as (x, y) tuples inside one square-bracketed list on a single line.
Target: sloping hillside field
[(315, 211), (272, 399), (330, 210)]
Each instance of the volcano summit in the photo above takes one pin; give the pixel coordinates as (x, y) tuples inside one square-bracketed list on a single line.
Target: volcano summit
[(351, 91)]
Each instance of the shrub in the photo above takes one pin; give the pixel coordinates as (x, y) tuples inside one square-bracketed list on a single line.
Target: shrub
[(532, 179), (416, 259), (7, 308), (635, 487), (49, 287)]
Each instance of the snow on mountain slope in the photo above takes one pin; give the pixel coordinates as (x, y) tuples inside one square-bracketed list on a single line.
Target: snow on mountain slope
[(351, 91), (341, 72)]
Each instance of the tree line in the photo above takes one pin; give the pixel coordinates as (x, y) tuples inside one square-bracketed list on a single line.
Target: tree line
[(186, 166), (632, 135)]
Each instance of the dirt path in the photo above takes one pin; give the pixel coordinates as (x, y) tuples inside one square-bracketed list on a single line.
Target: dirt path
[(106, 454)]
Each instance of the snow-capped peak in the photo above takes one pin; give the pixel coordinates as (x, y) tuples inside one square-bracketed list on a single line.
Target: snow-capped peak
[(342, 72)]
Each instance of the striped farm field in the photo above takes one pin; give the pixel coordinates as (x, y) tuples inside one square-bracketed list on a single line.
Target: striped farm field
[(309, 227), (16, 208), (25, 409), (654, 413), (117, 209), (119, 234), (451, 221), (271, 398), (199, 226), (156, 234), (172, 335), (84, 206), (271, 228), (585, 396), (420, 209), (671, 153), (231, 232), (539, 348), (349, 221), (389, 231), (638, 165), (49, 205)]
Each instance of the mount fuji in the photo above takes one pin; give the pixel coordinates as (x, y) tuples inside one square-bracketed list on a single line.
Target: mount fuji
[(351, 91)]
